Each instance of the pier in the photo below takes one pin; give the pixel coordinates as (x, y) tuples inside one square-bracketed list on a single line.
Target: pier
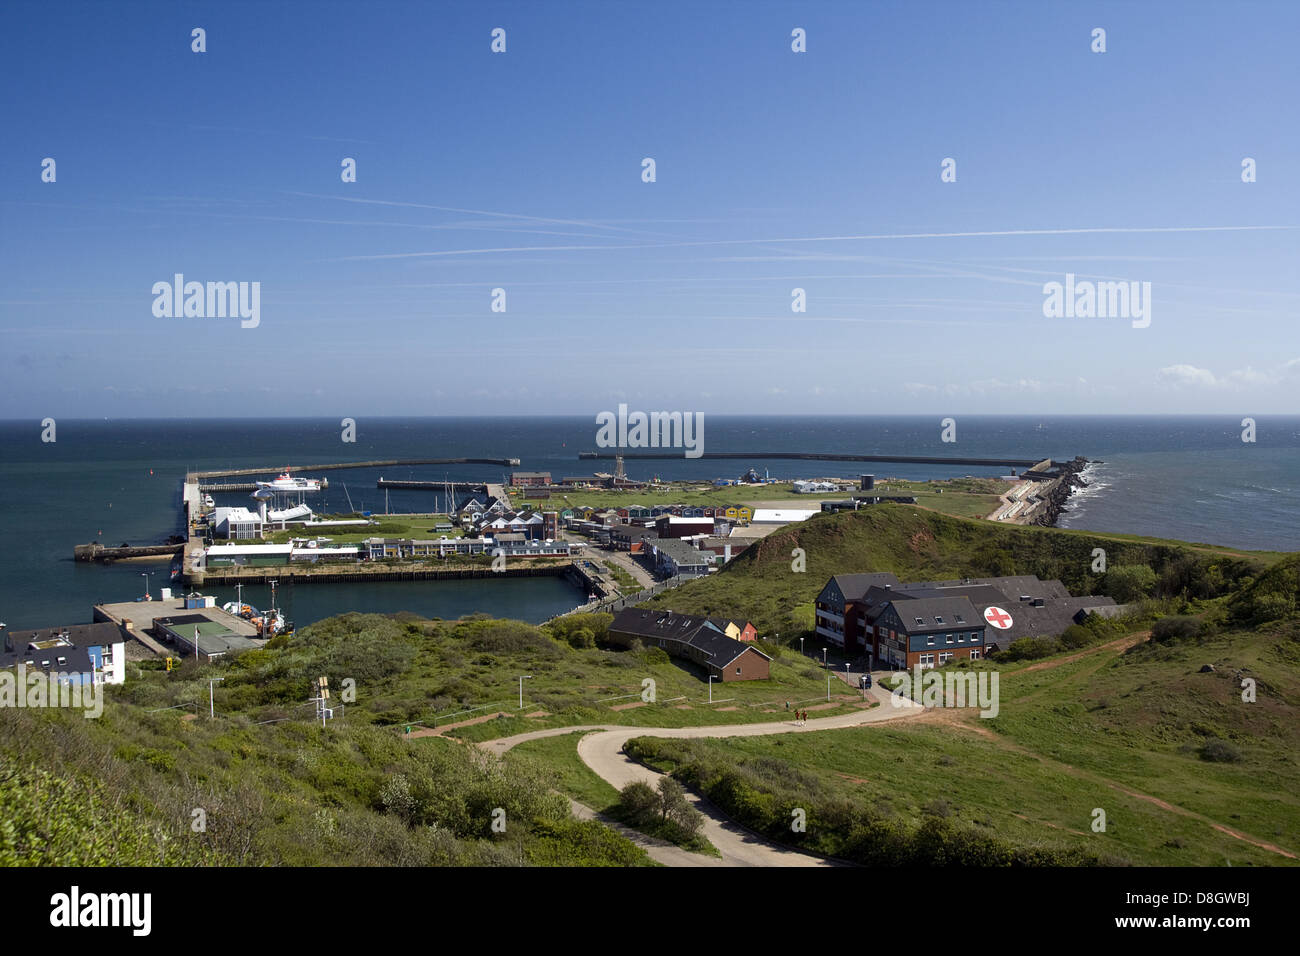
[(338, 466), (1032, 463), (243, 486), (366, 572), (401, 484), (101, 555)]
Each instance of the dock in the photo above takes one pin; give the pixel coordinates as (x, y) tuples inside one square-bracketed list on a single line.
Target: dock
[(338, 466), (1030, 463), (242, 486), (405, 485), (368, 571), (99, 554)]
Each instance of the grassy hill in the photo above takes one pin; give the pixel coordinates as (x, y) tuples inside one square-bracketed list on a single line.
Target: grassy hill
[(1095, 727), (917, 544), (1186, 771)]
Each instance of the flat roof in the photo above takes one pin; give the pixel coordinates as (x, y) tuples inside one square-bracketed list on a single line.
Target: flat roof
[(783, 515)]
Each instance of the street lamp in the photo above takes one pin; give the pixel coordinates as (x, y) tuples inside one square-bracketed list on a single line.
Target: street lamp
[(522, 678), (146, 575), (212, 711), (801, 647), (710, 688)]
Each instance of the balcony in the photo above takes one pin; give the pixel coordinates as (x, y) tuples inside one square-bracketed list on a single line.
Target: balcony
[(835, 637)]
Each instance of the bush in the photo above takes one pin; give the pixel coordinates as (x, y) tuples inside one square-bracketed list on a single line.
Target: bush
[(1219, 751), (1169, 630), (1028, 649), (640, 803), (1128, 582), (654, 655), (1076, 636)]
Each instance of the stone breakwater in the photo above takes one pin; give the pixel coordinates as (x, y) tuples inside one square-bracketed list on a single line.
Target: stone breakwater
[(1070, 480)]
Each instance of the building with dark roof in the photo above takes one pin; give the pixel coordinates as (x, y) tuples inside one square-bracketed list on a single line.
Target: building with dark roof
[(675, 557), (723, 648), (879, 617), (97, 649)]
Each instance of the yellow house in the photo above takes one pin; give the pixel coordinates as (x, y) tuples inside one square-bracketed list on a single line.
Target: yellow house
[(745, 514), (733, 513)]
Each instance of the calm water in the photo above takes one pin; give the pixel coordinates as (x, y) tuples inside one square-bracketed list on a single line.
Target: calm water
[(1189, 478)]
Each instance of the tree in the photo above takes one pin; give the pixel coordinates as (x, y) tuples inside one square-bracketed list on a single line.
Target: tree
[(1129, 582)]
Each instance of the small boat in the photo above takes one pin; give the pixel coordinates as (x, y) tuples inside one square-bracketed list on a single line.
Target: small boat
[(178, 569), (208, 502)]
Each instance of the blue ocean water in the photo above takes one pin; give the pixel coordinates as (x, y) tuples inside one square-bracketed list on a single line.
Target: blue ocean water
[(1178, 477)]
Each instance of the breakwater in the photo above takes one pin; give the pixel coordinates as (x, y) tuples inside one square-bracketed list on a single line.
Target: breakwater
[(1034, 463), (1068, 481)]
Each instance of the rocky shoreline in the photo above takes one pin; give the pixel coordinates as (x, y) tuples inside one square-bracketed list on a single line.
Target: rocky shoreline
[(1070, 481)]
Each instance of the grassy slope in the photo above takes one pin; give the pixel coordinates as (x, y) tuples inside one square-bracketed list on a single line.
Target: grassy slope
[(559, 756), (1102, 728), (915, 544)]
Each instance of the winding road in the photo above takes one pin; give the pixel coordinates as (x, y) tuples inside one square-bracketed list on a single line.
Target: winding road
[(602, 750)]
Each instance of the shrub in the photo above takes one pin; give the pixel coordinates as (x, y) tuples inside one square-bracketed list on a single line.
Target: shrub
[(1219, 751), (639, 802), (1076, 636), (1169, 630), (1128, 582)]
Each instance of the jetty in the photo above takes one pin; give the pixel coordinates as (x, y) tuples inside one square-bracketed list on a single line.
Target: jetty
[(1031, 463), (339, 466)]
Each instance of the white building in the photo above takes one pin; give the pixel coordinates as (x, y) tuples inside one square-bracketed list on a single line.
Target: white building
[(236, 523)]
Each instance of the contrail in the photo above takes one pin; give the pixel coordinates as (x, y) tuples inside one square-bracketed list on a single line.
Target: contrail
[(859, 238)]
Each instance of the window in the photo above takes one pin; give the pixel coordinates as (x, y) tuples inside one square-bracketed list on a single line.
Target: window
[(938, 619), (960, 619), (974, 653), (920, 621), (737, 670), (926, 660), (930, 641), (961, 638), (945, 657)]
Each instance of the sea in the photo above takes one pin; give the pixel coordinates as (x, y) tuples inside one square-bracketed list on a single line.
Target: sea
[(116, 481)]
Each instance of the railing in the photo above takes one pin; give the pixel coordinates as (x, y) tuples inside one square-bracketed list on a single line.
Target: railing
[(622, 601)]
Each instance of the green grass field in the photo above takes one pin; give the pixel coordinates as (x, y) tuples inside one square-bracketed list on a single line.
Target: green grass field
[(1115, 731), (966, 497), (764, 583), (419, 526), (559, 756)]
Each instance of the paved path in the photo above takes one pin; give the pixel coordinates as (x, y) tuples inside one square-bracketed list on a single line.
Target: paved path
[(602, 751)]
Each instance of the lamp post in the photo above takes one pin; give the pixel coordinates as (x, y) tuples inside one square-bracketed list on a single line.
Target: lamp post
[(801, 647), (522, 678), (710, 688), (146, 575), (212, 709)]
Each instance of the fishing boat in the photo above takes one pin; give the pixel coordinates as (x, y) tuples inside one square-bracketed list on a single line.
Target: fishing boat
[(208, 502)]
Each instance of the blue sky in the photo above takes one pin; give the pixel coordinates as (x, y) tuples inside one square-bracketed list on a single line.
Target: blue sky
[(522, 171)]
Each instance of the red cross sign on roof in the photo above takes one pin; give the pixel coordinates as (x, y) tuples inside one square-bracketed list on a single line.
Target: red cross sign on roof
[(997, 617)]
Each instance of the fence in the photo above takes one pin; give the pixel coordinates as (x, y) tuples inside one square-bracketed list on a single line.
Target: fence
[(615, 604)]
